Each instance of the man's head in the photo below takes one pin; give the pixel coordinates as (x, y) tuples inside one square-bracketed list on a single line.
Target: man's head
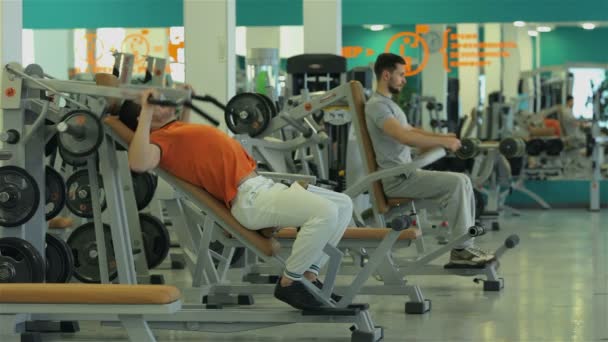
[(390, 72), (570, 101), (130, 111)]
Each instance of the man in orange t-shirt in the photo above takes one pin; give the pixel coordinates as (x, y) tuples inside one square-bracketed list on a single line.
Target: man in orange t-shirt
[(209, 158)]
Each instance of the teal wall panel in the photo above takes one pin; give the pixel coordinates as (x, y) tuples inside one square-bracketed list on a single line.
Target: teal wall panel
[(573, 44), (553, 193), (163, 13), (67, 14)]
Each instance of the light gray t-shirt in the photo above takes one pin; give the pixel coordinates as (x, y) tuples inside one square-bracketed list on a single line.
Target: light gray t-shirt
[(389, 152)]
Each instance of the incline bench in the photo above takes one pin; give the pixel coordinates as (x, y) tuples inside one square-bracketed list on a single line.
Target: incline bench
[(126, 303)]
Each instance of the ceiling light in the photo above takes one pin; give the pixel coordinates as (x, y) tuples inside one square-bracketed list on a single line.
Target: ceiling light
[(519, 23), (376, 27), (532, 33), (588, 26), (543, 29)]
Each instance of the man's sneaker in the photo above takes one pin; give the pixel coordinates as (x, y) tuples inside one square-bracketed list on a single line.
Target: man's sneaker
[(333, 296), (470, 256), (296, 295)]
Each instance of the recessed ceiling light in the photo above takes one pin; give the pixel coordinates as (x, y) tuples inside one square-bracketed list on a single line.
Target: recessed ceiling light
[(532, 33), (376, 27), (543, 29), (588, 26), (519, 23)]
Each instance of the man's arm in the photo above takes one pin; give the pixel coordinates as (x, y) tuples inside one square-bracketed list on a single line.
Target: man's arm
[(143, 155), (431, 134), (412, 136)]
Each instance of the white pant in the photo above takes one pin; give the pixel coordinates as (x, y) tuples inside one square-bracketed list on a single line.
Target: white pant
[(321, 214), (452, 192)]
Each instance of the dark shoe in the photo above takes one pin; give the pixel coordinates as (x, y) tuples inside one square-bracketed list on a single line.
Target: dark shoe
[(333, 296), (297, 296)]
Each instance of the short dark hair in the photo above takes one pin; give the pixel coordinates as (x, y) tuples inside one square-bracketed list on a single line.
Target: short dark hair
[(128, 114), (387, 61), (569, 98)]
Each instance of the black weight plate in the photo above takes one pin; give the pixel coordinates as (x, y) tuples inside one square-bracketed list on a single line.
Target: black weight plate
[(54, 192), (468, 149), (156, 239), (511, 148), (554, 147), (21, 196), (59, 260), (51, 145), (271, 105), (20, 262), (535, 147), (70, 159), (92, 136), (143, 188), (83, 246), (247, 113), (79, 194), (480, 203)]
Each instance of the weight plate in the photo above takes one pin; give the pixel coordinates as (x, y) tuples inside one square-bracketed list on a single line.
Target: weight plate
[(83, 246), (156, 239), (554, 147), (79, 194), (19, 196), (511, 148), (271, 105), (20, 262), (143, 187), (468, 149), (535, 147), (71, 159), (91, 133), (247, 113), (51, 145), (480, 203), (59, 260), (54, 192)]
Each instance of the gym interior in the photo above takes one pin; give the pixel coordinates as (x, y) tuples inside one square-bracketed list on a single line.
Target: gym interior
[(512, 98)]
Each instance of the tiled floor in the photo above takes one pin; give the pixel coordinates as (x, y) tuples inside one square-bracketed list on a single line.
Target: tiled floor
[(556, 290)]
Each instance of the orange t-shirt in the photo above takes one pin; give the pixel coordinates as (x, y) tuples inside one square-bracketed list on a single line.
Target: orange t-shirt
[(204, 156), (552, 123)]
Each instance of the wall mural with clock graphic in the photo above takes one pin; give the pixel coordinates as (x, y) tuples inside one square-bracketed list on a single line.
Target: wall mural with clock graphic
[(416, 42)]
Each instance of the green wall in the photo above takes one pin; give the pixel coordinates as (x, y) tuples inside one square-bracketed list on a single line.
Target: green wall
[(553, 193), (66, 14), (573, 44)]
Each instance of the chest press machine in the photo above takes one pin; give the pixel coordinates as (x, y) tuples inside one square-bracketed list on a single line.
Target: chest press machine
[(216, 220)]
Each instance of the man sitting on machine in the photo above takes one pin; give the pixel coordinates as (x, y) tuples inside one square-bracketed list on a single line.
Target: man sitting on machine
[(207, 157), (392, 138)]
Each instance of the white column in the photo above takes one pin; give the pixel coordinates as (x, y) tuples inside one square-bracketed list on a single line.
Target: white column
[(54, 51), (322, 26), (492, 34), (11, 25), (209, 35), (468, 77), (511, 65), (263, 37), (435, 79)]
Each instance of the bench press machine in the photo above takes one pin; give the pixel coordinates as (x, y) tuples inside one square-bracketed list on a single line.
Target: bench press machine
[(192, 316)]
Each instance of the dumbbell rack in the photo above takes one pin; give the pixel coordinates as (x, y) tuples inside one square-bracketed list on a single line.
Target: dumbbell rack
[(22, 91)]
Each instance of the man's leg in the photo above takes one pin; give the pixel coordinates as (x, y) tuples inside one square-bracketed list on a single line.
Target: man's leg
[(452, 193), (281, 206), (345, 214)]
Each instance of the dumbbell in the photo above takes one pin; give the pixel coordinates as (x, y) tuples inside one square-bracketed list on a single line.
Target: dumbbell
[(535, 147), (439, 123), (512, 147)]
